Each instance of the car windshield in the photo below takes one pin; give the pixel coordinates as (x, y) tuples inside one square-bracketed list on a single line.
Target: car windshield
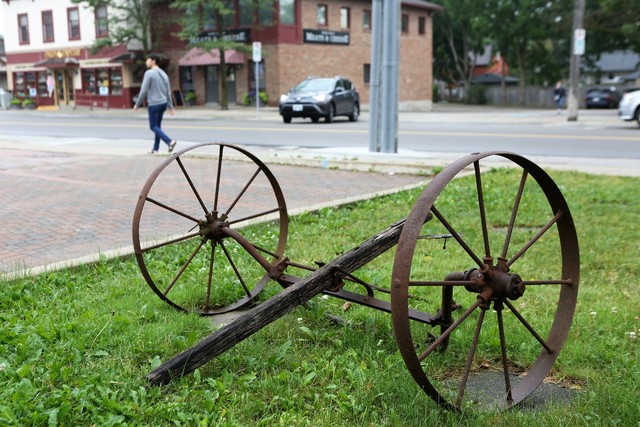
[(315, 85)]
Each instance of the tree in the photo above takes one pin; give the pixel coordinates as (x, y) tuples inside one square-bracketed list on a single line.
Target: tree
[(214, 14), (458, 37), (129, 22)]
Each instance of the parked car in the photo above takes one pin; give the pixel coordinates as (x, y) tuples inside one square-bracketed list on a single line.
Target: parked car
[(318, 97), (602, 97), (629, 108)]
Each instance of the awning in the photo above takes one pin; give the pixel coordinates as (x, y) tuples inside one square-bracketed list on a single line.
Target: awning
[(197, 56), (57, 63)]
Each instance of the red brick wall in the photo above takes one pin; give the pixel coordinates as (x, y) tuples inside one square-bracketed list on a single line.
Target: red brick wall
[(287, 64)]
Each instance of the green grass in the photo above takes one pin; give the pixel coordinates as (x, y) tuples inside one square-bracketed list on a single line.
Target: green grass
[(76, 344)]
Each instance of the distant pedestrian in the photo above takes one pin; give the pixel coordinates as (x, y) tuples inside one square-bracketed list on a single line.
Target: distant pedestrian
[(157, 91), (559, 94)]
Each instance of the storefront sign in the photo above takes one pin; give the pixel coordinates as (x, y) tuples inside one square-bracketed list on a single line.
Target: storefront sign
[(67, 53), (238, 36), (325, 37)]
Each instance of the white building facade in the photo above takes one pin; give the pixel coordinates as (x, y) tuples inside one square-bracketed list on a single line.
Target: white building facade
[(50, 60)]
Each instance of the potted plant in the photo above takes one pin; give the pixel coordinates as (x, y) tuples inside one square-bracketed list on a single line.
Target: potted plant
[(28, 104), (190, 98), (250, 98), (15, 104)]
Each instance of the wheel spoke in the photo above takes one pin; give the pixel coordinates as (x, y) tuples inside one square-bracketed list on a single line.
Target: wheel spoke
[(243, 191), (529, 327), (175, 211), (535, 238), (170, 242), (503, 347), (440, 283), (450, 329), (235, 269), (567, 282), (483, 216), (193, 188), (183, 268), (514, 213), (254, 215), (218, 174), (472, 351), (456, 236)]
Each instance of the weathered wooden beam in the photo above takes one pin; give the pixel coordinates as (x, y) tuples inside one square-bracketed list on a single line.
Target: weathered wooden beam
[(277, 306)]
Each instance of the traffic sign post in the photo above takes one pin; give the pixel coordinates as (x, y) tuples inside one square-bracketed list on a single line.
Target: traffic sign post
[(579, 41), (257, 57)]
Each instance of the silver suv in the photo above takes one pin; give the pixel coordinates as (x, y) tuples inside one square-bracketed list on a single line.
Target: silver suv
[(321, 97), (629, 107)]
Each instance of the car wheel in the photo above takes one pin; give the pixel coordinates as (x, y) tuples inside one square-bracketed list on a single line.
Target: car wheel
[(332, 112), (637, 115), (315, 119), (353, 117), (286, 119)]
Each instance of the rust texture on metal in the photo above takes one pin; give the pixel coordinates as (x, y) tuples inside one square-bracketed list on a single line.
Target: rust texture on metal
[(482, 282)]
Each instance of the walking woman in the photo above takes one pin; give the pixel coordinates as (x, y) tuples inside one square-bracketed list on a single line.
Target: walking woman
[(157, 91)]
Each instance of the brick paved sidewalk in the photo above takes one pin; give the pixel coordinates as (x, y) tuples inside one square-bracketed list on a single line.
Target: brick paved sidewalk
[(66, 208)]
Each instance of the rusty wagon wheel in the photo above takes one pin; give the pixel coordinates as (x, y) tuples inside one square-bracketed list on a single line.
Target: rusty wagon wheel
[(501, 244), (195, 227)]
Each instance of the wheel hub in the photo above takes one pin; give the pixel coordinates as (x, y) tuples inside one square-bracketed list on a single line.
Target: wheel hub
[(495, 281), (211, 227)]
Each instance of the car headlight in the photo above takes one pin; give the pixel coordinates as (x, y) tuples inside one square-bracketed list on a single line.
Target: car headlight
[(284, 98), (321, 98)]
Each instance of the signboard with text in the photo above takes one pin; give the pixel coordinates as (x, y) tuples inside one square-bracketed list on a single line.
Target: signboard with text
[(326, 37)]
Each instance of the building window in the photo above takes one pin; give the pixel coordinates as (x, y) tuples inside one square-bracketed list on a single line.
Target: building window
[(345, 17), (73, 22), (287, 12), (102, 81), (102, 22), (366, 19), (47, 26), (321, 15), (422, 24), (208, 17), (265, 13), (367, 73), (246, 12), (23, 28), (404, 24)]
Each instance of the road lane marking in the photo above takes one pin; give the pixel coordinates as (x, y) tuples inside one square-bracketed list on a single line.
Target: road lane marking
[(345, 131)]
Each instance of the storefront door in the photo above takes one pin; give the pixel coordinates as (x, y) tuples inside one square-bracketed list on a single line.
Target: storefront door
[(211, 83), (64, 87)]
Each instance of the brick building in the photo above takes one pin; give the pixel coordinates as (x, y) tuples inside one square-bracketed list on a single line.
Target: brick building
[(313, 38), (49, 55)]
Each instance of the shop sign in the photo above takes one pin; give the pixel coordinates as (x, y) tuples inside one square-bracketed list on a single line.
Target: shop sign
[(66, 53), (325, 37), (237, 36)]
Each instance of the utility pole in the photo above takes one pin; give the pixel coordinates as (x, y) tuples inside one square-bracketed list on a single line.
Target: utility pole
[(577, 49)]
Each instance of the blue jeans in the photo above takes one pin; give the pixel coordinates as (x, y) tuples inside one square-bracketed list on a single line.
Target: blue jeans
[(155, 121)]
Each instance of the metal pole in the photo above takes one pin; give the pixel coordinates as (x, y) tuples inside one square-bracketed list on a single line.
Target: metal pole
[(257, 93), (574, 71), (374, 76), (390, 44)]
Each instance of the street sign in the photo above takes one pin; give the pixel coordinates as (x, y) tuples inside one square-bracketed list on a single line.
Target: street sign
[(578, 41), (257, 51)]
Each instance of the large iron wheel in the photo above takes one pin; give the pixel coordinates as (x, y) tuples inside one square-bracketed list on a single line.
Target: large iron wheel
[(516, 258), (195, 228)]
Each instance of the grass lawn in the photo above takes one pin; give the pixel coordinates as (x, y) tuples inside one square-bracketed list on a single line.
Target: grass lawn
[(76, 344)]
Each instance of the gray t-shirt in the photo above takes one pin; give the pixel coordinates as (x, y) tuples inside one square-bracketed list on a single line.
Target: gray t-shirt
[(155, 88)]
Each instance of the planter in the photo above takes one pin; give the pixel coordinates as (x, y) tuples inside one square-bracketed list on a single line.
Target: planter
[(15, 107)]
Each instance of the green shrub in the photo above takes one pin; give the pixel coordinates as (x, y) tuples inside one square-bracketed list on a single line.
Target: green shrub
[(477, 95)]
